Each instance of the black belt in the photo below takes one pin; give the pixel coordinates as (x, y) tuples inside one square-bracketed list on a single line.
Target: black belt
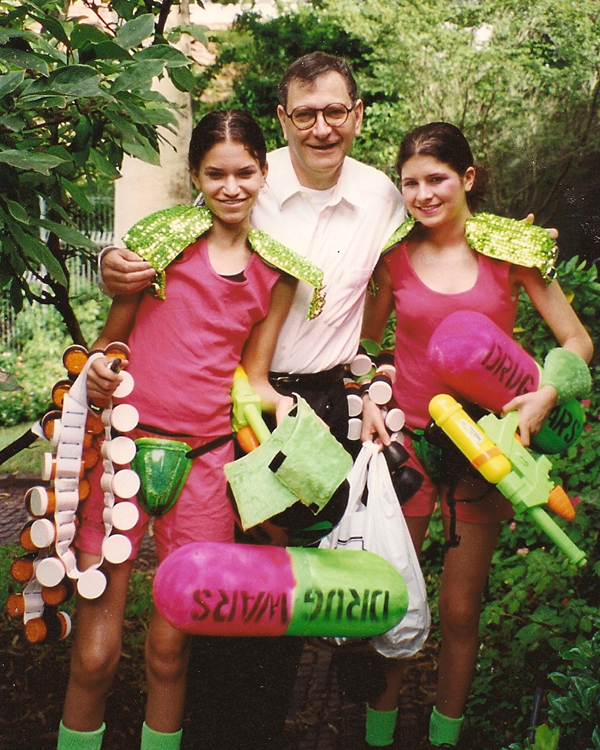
[(308, 380)]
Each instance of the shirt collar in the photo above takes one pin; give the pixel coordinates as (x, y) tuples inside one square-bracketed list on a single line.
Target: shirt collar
[(285, 184)]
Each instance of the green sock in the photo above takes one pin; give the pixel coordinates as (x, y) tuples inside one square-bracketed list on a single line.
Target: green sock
[(443, 729), (69, 739), (380, 727), (152, 740)]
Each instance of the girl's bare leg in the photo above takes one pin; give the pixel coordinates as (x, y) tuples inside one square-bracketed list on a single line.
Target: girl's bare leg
[(167, 659), (464, 577), (96, 650)]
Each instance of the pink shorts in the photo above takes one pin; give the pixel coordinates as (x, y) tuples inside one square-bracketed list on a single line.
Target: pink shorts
[(202, 513), (493, 508)]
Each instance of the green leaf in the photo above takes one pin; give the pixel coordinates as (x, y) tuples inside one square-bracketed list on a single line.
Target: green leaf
[(134, 32), (71, 80), (10, 81), (137, 77), (30, 160), (84, 33), (183, 78), (70, 235), (25, 60), (45, 101), (78, 195), (172, 56), (54, 27), (110, 51), (17, 211), (196, 32), (103, 165), (546, 738), (35, 249), (149, 115), (13, 122), (142, 149)]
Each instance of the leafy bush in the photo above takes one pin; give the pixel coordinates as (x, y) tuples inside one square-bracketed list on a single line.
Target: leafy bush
[(35, 357), (537, 605), (574, 709), (579, 282)]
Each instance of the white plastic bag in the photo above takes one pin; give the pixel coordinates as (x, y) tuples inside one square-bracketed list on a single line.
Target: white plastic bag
[(380, 527)]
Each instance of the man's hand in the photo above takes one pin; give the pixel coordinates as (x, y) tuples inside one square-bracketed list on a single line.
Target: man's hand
[(124, 272)]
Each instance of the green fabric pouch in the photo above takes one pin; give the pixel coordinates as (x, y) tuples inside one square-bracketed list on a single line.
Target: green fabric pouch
[(300, 461), (163, 467)]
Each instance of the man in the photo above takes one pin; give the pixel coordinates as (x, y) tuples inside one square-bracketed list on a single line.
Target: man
[(326, 206), (338, 213)]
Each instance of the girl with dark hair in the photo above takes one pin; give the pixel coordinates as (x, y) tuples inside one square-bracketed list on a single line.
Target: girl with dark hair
[(437, 264), (222, 292)]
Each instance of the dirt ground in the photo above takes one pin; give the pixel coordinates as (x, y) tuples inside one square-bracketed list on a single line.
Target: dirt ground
[(245, 696)]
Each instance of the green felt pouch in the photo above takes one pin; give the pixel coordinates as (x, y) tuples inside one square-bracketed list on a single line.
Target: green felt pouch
[(300, 461)]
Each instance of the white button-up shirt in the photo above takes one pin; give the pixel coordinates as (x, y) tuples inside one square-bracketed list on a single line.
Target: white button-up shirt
[(344, 237)]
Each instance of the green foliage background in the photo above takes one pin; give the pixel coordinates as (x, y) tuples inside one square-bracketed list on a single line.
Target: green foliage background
[(526, 96), (73, 100)]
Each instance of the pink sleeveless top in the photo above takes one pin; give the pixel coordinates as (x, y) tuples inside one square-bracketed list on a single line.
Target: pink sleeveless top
[(185, 348), (419, 310)]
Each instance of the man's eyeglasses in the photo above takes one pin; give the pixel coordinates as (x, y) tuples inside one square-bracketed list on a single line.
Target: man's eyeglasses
[(334, 115)]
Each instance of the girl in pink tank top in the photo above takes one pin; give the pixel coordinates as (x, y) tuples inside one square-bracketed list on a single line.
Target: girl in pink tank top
[(436, 266), (216, 303)]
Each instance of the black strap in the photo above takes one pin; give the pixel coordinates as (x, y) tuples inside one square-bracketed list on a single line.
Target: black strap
[(210, 446), (194, 452)]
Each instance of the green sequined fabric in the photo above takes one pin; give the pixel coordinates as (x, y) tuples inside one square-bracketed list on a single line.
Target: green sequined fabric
[(162, 236), (514, 241), (502, 239)]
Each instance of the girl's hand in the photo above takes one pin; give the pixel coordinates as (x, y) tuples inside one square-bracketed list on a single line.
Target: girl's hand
[(533, 409), (373, 425), (282, 407), (102, 381)]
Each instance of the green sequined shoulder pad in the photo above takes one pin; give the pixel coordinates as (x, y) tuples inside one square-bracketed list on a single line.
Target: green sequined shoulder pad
[(281, 257), (403, 231), (160, 237), (513, 241), (502, 239)]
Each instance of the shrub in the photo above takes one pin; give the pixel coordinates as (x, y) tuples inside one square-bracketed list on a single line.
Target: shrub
[(35, 356)]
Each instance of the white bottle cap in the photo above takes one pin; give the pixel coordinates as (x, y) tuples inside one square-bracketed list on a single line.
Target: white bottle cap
[(120, 450), (125, 515), (50, 571), (42, 533), (354, 428), (125, 483), (116, 548), (125, 386), (47, 466), (394, 420), (380, 390), (91, 583), (355, 405), (361, 365), (124, 417), (38, 501), (66, 624)]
